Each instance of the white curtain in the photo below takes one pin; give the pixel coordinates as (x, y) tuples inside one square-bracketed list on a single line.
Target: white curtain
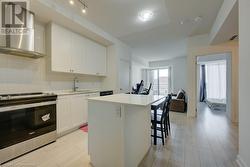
[(216, 80)]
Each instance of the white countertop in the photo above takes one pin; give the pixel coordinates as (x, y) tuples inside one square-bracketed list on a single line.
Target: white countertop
[(132, 99), (71, 92)]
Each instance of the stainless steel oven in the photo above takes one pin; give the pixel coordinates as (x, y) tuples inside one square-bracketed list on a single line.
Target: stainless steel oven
[(27, 121)]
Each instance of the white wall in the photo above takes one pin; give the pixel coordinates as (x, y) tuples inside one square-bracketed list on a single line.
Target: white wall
[(137, 65), (244, 79), (179, 71), (110, 82), (116, 53), (197, 42)]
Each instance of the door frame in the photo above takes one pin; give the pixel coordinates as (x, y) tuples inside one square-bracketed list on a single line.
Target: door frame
[(227, 57)]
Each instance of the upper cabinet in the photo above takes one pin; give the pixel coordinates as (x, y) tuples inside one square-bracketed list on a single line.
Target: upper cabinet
[(95, 59), (73, 53), (60, 47)]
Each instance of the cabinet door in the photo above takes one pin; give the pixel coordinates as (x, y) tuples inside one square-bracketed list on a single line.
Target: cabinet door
[(85, 112), (95, 63), (78, 110), (102, 54), (78, 53), (60, 49), (86, 105), (64, 120)]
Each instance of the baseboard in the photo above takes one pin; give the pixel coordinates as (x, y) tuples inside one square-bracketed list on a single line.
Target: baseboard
[(240, 161)]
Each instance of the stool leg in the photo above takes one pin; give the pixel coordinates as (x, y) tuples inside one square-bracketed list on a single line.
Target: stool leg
[(165, 128), (166, 125), (162, 134), (169, 124)]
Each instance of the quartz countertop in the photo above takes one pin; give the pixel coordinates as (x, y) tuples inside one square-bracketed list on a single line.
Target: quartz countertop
[(131, 99), (71, 92)]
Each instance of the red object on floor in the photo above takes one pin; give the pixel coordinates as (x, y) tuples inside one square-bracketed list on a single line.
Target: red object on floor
[(84, 128)]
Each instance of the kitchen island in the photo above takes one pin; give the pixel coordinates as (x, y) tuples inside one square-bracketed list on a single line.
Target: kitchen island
[(119, 129)]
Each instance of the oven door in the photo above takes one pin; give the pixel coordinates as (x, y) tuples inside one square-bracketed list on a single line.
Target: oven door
[(23, 122), (42, 116)]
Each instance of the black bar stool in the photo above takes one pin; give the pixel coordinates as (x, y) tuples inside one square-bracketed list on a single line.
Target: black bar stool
[(162, 121)]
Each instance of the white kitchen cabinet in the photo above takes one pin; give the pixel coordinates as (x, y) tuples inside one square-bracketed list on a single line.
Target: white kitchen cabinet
[(78, 53), (95, 58), (63, 110), (60, 49), (73, 53), (85, 113), (78, 110), (72, 111)]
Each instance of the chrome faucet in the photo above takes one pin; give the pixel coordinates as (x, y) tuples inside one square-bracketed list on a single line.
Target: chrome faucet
[(75, 84)]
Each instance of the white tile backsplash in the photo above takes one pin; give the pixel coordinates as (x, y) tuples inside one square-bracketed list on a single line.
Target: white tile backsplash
[(18, 74)]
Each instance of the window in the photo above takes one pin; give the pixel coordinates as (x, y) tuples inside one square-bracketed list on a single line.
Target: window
[(160, 79)]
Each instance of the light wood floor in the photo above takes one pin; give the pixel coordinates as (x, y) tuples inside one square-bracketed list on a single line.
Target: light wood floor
[(209, 140), (68, 151)]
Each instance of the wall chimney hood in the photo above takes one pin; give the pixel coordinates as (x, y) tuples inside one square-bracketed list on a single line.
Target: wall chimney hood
[(20, 44)]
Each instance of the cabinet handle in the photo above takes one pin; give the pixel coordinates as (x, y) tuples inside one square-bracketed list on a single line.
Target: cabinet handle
[(119, 112)]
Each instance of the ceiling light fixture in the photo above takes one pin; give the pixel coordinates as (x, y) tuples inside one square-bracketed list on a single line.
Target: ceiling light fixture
[(198, 19), (71, 2), (84, 8), (145, 15), (195, 20)]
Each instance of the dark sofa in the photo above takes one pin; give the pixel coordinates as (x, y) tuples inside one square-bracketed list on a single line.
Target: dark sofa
[(178, 102)]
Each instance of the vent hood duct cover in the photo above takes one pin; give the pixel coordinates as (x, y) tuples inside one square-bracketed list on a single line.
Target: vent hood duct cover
[(21, 44)]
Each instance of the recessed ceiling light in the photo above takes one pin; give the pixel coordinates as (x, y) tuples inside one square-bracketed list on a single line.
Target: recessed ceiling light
[(198, 19), (84, 11), (145, 15), (71, 2)]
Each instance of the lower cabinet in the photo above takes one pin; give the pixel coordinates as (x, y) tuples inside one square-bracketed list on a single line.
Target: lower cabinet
[(64, 120), (72, 111)]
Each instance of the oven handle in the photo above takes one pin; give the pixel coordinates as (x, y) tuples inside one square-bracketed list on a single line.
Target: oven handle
[(24, 106)]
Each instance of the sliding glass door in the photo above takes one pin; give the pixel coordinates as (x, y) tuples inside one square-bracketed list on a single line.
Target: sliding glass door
[(160, 79), (164, 84)]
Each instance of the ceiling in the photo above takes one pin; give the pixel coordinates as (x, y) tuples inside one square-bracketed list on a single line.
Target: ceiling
[(161, 38)]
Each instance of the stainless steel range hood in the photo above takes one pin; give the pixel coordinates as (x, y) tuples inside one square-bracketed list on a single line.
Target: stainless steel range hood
[(21, 44)]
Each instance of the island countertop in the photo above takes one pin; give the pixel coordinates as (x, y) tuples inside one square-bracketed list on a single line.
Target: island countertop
[(131, 99)]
